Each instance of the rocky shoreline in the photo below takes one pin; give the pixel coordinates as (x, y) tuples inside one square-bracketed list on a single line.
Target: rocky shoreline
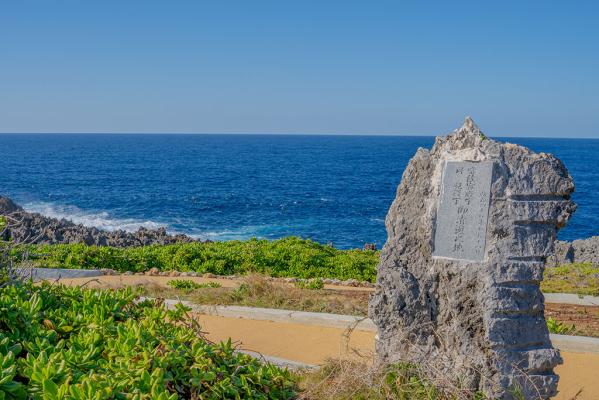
[(577, 251), (38, 229), (33, 228)]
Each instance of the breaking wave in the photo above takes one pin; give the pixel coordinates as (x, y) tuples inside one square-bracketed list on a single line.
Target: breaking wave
[(101, 220)]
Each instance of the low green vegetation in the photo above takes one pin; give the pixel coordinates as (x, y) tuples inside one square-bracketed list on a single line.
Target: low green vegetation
[(287, 257), (70, 343), (560, 328), (579, 278), (60, 342), (312, 284), (188, 284)]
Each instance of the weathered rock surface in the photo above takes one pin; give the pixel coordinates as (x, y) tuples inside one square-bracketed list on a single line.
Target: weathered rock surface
[(36, 228), (577, 251), (480, 323)]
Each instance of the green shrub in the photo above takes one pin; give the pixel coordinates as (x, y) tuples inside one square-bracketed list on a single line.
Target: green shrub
[(285, 257), (188, 284), (70, 343), (312, 284), (560, 328)]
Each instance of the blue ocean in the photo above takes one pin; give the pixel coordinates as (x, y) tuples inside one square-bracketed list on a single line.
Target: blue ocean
[(221, 187)]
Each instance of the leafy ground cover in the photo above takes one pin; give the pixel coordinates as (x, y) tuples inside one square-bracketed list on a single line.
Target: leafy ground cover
[(287, 257), (579, 278), (560, 328), (313, 284), (60, 342), (76, 344), (82, 344)]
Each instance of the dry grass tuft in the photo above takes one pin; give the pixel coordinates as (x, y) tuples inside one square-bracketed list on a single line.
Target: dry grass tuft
[(344, 379)]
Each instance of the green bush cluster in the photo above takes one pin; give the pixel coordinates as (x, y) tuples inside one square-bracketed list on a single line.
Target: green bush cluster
[(560, 328), (188, 284), (312, 284), (287, 257), (74, 344)]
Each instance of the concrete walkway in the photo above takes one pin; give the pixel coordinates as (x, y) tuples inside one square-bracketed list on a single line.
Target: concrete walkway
[(569, 298), (276, 315), (348, 322), (51, 274)]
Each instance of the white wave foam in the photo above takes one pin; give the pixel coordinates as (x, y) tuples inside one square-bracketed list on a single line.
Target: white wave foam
[(241, 233), (100, 220), (103, 220)]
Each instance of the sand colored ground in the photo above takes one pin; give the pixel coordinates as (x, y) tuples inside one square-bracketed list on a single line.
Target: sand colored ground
[(314, 344), (579, 372), (308, 344)]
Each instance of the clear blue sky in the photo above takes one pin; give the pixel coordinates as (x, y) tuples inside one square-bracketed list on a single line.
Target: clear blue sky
[(521, 68)]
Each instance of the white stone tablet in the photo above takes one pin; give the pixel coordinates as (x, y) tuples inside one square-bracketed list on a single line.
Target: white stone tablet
[(461, 225)]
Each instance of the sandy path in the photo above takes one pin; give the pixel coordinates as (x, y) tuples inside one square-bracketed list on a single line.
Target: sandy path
[(314, 344), (304, 343), (579, 371)]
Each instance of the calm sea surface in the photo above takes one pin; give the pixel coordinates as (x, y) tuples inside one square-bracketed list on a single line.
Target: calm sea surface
[(220, 187)]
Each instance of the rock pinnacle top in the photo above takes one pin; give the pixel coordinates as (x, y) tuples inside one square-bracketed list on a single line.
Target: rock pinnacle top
[(470, 127)]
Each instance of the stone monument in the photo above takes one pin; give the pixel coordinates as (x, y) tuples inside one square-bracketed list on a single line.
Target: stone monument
[(458, 281)]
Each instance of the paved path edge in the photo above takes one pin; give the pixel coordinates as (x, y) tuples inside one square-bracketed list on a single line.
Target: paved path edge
[(573, 299), (576, 344)]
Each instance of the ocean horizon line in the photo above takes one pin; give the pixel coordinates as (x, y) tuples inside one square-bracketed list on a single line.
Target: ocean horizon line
[(274, 134)]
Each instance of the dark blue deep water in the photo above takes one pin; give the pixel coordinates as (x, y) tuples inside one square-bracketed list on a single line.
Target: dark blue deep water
[(220, 187)]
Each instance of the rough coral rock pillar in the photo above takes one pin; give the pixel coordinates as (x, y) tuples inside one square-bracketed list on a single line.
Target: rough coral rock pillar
[(458, 282)]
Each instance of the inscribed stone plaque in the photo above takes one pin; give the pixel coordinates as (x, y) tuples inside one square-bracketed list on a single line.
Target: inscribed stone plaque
[(463, 210)]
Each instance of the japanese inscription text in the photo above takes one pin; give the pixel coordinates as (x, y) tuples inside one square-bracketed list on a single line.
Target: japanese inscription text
[(463, 210)]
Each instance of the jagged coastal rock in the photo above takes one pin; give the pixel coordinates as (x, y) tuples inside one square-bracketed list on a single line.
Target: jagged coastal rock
[(36, 228), (577, 251), (457, 290)]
